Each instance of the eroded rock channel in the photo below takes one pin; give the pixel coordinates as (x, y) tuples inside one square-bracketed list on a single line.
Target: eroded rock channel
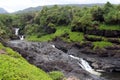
[(51, 56)]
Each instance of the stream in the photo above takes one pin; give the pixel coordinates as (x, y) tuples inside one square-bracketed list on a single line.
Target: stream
[(80, 61)]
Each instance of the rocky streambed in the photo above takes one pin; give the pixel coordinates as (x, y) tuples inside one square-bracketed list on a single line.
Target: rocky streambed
[(51, 56)]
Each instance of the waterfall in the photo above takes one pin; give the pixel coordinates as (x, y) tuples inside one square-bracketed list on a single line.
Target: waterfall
[(85, 65), (16, 31), (53, 46), (17, 34), (21, 37)]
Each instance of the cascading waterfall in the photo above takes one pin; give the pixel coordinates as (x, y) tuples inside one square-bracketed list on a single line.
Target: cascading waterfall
[(21, 37), (85, 65), (16, 31), (17, 34)]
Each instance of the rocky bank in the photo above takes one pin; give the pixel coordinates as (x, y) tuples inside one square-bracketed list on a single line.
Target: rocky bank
[(49, 58), (54, 55)]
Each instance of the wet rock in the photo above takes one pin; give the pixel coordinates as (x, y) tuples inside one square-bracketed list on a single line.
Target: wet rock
[(95, 65), (49, 58)]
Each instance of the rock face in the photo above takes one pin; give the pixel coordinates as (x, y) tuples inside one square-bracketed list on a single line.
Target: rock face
[(106, 33), (55, 56), (49, 58), (107, 59)]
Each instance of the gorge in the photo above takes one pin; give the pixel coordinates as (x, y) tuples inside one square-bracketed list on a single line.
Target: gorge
[(47, 57), (68, 41)]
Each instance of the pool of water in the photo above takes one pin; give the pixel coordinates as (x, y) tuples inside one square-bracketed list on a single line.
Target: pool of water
[(111, 76)]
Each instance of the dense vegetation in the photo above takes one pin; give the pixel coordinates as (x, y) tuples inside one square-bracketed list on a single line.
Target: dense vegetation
[(70, 23), (51, 22)]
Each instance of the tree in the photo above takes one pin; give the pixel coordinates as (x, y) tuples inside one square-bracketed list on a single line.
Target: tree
[(113, 17), (97, 13), (107, 7)]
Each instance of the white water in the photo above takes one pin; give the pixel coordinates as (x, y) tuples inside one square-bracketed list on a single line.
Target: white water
[(53, 46), (16, 31), (85, 65), (21, 37), (17, 34)]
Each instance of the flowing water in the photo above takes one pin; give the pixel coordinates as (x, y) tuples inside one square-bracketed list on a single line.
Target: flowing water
[(21, 37), (85, 65), (111, 76), (16, 31), (17, 34)]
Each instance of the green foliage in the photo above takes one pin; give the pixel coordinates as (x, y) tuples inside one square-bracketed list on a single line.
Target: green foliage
[(56, 75), (51, 25), (32, 29), (14, 67), (94, 36), (76, 36), (113, 17), (61, 30), (97, 13), (109, 27), (48, 37), (5, 24), (40, 23), (101, 44), (107, 7)]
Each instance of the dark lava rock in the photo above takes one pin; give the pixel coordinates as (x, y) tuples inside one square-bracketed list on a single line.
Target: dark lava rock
[(49, 58), (101, 59), (92, 38), (106, 33)]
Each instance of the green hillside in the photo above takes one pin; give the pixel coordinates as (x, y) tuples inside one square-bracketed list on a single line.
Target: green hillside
[(14, 67)]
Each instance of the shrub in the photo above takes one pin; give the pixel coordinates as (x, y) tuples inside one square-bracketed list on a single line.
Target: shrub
[(56, 75)]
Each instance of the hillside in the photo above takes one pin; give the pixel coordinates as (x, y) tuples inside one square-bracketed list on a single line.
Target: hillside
[(2, 11), (38, 8), (14, 67), (30, 9)]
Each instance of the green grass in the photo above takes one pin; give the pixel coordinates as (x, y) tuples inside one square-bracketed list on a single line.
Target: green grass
[(74, 36), (48, 37), (109, 27), (14, 67), (56, 75), (101, 44), (94, 36)]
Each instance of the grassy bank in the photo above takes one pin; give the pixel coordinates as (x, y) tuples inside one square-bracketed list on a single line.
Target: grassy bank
[(109, 27), (61, 30), (14, 67), (101, 44)]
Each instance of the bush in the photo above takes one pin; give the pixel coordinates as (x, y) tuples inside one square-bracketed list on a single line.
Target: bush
[(51, 25), (56, 75)]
